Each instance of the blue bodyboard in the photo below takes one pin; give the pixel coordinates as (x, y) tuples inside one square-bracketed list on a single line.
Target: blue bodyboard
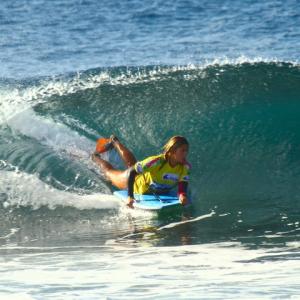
[(150, 202)]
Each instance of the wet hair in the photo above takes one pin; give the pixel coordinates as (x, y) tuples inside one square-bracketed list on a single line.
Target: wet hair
[(173, 144)]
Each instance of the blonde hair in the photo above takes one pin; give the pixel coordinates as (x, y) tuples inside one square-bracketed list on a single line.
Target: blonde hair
[(173, 144)]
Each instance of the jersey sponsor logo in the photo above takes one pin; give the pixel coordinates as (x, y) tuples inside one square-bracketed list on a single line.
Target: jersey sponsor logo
[(154, 186), (170, 176)]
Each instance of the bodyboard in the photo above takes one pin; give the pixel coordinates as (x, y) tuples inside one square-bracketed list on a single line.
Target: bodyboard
[(149, 202)]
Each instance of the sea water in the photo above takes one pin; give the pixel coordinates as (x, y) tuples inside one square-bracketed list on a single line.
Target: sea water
[(225, 74)]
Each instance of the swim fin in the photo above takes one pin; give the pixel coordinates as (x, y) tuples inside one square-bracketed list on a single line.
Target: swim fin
[(103, 145)]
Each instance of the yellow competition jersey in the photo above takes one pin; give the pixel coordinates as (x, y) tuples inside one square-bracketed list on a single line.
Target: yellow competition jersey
[(156, 175)]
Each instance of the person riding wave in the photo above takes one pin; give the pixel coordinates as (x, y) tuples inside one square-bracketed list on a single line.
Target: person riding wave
[(157, 174)]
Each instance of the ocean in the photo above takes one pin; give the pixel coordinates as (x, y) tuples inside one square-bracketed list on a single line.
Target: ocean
[(224, 74)]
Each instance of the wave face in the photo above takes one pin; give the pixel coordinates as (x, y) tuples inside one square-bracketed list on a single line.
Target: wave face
[(241, 119)]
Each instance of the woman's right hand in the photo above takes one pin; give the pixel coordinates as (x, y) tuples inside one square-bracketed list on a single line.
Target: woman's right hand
[(130, 202), (183, 199)]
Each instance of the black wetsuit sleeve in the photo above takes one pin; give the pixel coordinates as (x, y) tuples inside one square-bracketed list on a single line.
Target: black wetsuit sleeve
[(131, 178)]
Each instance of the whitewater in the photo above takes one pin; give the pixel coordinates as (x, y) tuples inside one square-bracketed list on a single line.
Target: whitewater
[(74, 72)]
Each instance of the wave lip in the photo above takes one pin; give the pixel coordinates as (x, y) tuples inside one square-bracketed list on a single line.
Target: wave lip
[(22, 95)]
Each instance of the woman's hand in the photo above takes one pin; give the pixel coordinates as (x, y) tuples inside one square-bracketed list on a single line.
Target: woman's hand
[(183, 199), (130, 202)]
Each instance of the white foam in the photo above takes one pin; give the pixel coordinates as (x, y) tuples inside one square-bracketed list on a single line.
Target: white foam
[(13, 231), (15, 296), (24, 189), (56, 135), (216, 270), (16, 100), (60, 138), (175, 224)]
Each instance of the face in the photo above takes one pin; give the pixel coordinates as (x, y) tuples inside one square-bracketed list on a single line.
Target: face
[(180, 154)]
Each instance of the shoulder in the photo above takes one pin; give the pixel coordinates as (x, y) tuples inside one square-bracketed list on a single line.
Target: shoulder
[(148, 163), (154, 160), (187, 166)]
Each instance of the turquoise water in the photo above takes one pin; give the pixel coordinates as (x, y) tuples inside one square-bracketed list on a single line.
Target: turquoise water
[(244, 150), (74, 72)]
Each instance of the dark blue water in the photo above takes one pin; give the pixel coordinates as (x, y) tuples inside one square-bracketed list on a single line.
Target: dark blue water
[(225, 74), (51, 37)]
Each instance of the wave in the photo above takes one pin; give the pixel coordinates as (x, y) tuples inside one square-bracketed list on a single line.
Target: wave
[(241, 118)]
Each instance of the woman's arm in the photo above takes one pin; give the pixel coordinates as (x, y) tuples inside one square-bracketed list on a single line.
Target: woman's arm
[(182, 190), (130, 183)]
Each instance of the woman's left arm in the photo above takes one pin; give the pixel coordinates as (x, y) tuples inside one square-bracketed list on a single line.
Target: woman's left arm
[(182, 191)]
